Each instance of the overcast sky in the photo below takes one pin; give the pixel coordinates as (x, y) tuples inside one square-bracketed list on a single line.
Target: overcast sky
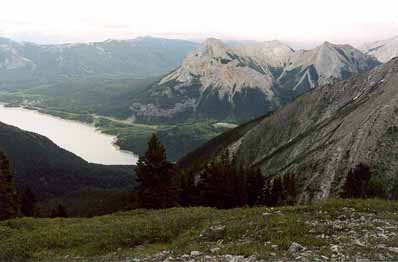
[(300, 21)]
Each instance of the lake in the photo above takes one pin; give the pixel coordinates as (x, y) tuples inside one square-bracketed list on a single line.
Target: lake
[(81, 139)]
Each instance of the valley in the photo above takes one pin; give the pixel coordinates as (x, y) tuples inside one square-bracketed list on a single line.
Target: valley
[(91, 145), (182, 104), (153, 149)]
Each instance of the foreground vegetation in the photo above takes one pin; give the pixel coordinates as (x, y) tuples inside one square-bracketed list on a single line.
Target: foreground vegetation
[(334, 228)]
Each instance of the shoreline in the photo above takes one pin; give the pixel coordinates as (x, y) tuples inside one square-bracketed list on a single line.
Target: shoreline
[(41, 111)]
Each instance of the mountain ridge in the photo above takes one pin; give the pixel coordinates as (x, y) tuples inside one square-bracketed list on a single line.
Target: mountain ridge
[(25, 64), (383, 50), (322, 135), (244, 82)]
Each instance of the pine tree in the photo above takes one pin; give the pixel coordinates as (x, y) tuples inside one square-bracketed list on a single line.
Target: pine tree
[(255, 187), (267, 193), (276, 192), (9, 206), (59, 211), (357, 182), (291, 190), (186, 188), (156, 177), (28, 200), (222, 185)]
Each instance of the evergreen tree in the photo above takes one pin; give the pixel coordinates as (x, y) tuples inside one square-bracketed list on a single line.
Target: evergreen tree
[(28, 203), (9, 206), (357, 182), (255, 187), (156, 177), (222, 185), (276, 192), (267, 193), (59, 211), (187, 192), (291, 190), (394, 190)]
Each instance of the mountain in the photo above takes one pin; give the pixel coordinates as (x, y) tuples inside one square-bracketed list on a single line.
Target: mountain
[(383, 50), (50, 171), (28, 64), (239, 83), (321, 135)]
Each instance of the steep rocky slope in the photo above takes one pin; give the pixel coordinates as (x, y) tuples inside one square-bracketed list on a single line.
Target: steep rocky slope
[(239, 83), (50, 171), (323, 134), (383, 50)]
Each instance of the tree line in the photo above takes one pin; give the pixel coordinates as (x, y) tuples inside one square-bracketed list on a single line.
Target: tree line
[(222, 184), (14, 203), (225, 184)]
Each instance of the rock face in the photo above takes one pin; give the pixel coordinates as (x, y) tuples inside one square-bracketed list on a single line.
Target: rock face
[(243, 82), (321, 135), (383, 50)]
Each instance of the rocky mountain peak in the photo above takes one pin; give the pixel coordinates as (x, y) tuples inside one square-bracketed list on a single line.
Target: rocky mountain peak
[(322, 135), (270, 53), (251, 78), (383, 50), (211, 48)]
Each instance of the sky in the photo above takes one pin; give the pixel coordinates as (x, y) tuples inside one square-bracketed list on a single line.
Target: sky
[(303, 22)]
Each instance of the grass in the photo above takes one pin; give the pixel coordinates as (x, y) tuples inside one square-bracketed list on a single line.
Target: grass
[(141, 233)]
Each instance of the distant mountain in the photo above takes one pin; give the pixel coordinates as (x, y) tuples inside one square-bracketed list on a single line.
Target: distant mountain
[(321, 136), (220, 82), (27, 64), (383, 50), (51, 171)]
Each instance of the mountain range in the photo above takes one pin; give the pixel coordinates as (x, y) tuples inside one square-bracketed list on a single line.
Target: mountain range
[(28, 64), (321, 136), (240, 83), (383, 50), (215, 82)]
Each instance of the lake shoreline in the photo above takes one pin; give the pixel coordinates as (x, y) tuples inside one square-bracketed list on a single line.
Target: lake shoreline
[(45, 112)]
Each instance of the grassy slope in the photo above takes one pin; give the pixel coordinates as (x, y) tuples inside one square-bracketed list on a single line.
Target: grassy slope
[(146, 232)]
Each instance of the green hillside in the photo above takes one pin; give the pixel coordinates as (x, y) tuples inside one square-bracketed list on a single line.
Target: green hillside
[(50, 171), (335, 229)]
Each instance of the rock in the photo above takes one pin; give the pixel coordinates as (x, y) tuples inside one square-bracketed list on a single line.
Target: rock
[(381, 235), (359, 243), (274, 246), (195, 253), (213, 232), (295, 248), (266, 215), (334, 248), (393, 249), (231, 258), (215, 250), (272, 254)]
